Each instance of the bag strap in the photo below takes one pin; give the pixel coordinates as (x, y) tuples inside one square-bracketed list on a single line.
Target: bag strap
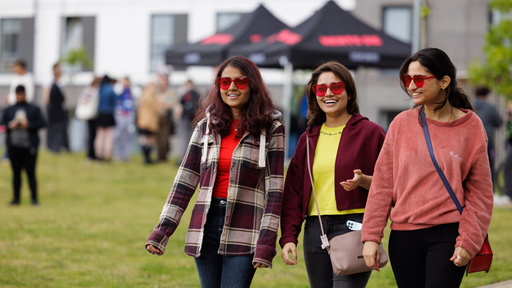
[(323, 237), (439, 171)]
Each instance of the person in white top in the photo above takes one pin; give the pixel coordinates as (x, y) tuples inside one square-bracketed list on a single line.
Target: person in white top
[(22, 78)]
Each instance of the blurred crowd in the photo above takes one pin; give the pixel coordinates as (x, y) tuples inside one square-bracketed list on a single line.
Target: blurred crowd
[(121, 118)]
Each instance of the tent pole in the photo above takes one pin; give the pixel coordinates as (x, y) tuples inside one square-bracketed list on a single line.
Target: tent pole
[(416, 26), (287, 99)]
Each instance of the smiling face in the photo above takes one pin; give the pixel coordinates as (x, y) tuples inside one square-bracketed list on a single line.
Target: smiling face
[(430, 93), (234, 97), (334, 106)]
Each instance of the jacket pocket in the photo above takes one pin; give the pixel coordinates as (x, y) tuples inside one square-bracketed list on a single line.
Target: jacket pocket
[(206, 173), (251, 175)]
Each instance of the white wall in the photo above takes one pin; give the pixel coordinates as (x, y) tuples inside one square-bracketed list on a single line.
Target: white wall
[(123, 26)]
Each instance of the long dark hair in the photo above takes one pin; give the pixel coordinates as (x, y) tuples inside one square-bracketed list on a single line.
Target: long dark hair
[(437, 62), (254, 117), (315, 114)]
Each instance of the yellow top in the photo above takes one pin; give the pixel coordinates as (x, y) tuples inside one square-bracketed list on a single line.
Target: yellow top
[(323, 173)]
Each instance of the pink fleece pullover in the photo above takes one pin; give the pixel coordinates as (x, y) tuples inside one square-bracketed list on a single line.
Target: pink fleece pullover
[(406, 180)]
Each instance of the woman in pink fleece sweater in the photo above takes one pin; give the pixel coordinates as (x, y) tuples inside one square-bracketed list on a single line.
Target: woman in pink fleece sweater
[(430, 242)]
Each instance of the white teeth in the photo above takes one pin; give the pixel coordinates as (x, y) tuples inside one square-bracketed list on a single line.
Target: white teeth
[(330, 101)]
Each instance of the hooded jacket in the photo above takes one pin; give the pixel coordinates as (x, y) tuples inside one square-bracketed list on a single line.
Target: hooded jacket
[(359, 148), (34, 117), (255, 184)]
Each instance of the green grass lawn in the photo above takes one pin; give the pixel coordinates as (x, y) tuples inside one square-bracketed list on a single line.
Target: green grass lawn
[(94, 219)]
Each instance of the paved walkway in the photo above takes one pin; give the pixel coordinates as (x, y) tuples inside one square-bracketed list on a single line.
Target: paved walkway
[(505, 284)]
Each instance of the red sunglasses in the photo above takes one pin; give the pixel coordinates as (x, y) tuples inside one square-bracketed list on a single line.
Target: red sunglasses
[(419, 80), (241, 82), (336, 88)]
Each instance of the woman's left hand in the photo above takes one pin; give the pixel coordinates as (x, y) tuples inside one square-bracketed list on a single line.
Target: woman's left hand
[(260, 265), (354, 182), (460, 257)]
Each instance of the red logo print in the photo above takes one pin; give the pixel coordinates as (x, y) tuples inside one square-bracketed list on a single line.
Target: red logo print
[(350, 40), (218, 39), (285, 36)]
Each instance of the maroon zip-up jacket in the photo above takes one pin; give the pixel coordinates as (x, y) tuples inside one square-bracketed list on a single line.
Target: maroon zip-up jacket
[(359, 148)]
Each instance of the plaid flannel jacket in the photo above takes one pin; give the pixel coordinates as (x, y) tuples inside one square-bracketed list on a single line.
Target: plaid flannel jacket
[(254, 194)]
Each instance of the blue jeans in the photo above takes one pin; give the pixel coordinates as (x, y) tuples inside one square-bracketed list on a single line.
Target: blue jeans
[(318, 261), (215, 270), (123, 137)]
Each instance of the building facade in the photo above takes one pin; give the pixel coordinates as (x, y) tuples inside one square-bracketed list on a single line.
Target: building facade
[(130, 37)]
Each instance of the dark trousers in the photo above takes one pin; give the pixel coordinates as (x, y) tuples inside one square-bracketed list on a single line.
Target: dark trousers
[(23, 158), (491, 153), (508, 173), (421, 258), (91, 136), (163, 145), (318, 261), (57, 136)]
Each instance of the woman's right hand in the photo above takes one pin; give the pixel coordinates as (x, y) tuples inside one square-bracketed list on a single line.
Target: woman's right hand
[(285, 253), (153, 250), (371, 254)]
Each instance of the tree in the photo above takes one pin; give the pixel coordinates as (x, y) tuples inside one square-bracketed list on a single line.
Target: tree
[(76, 59), (496, 71)]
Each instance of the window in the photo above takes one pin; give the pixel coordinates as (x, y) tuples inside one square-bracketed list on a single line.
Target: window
[(496, 16), (16, 42), (226, 20), (397, 22), (166, 32), (9, 49), (78, 33), (387, 116)]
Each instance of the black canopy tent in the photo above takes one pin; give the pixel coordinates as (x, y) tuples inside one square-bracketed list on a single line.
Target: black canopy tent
[(329, 34), (212, 50)]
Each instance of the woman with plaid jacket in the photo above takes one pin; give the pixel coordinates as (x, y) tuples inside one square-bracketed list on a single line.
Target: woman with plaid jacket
[(236, 155)]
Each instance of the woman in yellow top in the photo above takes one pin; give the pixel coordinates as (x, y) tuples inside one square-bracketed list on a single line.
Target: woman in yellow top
[(343, 145)]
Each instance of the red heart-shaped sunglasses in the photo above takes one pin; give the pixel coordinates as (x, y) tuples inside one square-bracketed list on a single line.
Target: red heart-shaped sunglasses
[(419, 80), (336, 88), (240, 82)]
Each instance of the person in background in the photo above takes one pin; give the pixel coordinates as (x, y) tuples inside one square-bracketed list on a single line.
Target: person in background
[(125, 118), (87, 110), (23, 121), (104, 142), (491, 120), (507, 196), (166, 121), (343, 145), (57, 133), (299, 123), (21, 77), (147, 121), (430, 242), (236, 156), (189, 103)]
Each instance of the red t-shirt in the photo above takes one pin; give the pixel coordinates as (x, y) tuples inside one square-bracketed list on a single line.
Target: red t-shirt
[(227, 146)]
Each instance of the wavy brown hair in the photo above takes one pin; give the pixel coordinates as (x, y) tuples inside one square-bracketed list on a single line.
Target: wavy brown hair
[(255, 115), (315, 114), (437, 62)]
